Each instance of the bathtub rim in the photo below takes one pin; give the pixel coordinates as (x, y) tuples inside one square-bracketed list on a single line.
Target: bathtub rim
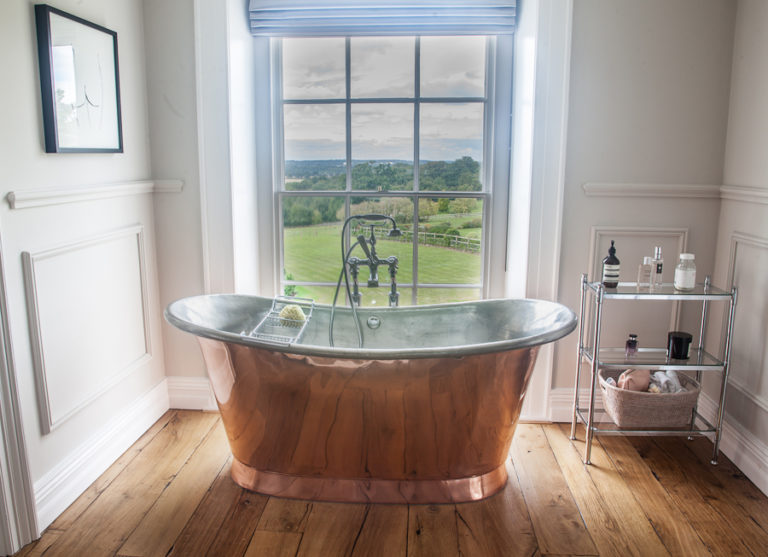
[(567, 327)]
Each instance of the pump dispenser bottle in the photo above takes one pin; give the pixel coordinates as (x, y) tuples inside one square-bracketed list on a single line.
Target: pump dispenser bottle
[(611, 267)]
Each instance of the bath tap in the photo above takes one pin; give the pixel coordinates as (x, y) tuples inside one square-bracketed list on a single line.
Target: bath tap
[(373, 261), (351, 265)]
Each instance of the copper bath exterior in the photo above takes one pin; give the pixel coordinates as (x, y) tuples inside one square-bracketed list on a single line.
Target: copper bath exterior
[(423, 413)]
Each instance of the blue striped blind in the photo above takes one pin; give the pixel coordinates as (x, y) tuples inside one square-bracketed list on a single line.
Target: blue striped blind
[(317, 18)]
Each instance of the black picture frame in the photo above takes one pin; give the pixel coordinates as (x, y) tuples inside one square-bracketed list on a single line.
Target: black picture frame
[(79, 82)]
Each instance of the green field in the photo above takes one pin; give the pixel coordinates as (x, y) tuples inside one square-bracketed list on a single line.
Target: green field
[(313, 253)]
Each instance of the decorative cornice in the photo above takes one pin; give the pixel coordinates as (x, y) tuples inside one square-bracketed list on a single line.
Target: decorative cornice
[(696, 191), (40, 197), (748, 194)]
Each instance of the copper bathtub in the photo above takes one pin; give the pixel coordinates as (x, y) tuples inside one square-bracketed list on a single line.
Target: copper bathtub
[(423, 413)]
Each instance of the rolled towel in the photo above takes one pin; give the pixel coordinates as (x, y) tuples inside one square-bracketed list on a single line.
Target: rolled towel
[(677, 386), (663, 381), (635, 379)]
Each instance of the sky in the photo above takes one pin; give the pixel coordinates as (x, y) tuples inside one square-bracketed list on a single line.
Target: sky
[(383, 68)]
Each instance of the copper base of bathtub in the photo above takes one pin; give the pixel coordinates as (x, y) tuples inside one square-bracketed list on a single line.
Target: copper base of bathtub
[(459, 490)]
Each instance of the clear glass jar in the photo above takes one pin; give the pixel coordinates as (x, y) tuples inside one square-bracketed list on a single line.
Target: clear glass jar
[(685, 272)]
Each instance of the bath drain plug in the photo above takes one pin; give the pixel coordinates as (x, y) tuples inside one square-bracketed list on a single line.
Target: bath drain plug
[(374, 322)]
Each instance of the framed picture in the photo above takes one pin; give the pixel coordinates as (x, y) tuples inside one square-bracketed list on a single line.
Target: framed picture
[(79, 83)]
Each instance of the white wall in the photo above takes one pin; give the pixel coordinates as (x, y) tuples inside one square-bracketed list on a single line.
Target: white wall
[(173, 133), (85, 328), (742, 244), (648, 110)]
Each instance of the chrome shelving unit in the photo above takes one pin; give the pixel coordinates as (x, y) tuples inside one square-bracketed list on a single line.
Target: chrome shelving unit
[(648, 358)]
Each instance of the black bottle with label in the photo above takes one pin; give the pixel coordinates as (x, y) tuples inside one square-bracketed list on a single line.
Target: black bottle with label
[(611, 266)]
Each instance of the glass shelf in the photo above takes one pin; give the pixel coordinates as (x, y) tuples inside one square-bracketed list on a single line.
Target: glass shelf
[(603, 425), (630, 291), (654, 358)]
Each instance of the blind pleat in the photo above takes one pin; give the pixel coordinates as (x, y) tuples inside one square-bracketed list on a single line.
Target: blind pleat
[(295, 18)]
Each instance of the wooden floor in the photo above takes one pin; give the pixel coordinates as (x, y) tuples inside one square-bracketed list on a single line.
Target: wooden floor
[(171, 494)]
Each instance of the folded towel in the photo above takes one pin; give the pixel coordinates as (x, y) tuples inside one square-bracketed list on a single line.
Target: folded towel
[(634, 379), (675, 379), (665, 382)]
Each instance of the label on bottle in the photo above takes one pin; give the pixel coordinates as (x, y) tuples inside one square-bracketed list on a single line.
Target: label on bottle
[(611, 273), (659, 267), (685, 279)]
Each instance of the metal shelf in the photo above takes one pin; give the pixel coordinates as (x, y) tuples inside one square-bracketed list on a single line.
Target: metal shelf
[(603, 425), (655, 359), (597, 422)]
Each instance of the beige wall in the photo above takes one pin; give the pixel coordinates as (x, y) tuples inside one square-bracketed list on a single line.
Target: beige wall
[(648, 109)]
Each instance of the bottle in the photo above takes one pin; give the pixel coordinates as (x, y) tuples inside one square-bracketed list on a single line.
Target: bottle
[(631, 345), (644, 271), (658, 267), (685, 272), (611, 266)]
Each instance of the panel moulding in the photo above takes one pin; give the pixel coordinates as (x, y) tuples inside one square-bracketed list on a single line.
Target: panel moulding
[(41, 197), (30, 262), (743, 239), (686, 191)]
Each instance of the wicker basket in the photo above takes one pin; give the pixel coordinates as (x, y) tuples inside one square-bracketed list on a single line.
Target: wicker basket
[(648, 410)]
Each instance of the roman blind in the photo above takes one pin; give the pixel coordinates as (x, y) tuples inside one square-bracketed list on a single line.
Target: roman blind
[(313, 18)]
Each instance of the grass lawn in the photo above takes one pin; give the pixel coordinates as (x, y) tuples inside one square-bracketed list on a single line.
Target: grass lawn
[(313, 253)]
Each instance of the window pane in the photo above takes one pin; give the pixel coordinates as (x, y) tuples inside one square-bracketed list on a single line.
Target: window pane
[(315, 147), (445, 295), (453, 66), (451, 147), (382, 147), (313, 68), (311, 238), (450, 235), (382, 67)]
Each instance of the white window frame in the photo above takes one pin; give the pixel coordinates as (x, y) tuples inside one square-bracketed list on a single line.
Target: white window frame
[(495, 165)]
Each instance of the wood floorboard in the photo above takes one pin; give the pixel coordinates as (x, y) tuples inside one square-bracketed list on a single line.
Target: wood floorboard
[(155, 534), (672, 526), (68, 517), (234, 535), (614, 519), (722, 500), (384, 532), (108, 521), (204, 525), (498, 526), (332, 529), (749, 496), (171, 494), (432, 531), (709, 524), (285, 515), (556, 519)]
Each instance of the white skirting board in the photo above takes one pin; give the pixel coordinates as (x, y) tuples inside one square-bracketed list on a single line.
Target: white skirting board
[(745, 450), (55, 491), (191, 393)]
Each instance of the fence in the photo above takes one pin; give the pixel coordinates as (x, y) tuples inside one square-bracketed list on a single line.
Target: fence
[(461, 243)]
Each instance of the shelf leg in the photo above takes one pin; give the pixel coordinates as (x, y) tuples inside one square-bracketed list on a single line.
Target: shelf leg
[(593, 381), (574, 417), (726, 370), (702, 332)]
